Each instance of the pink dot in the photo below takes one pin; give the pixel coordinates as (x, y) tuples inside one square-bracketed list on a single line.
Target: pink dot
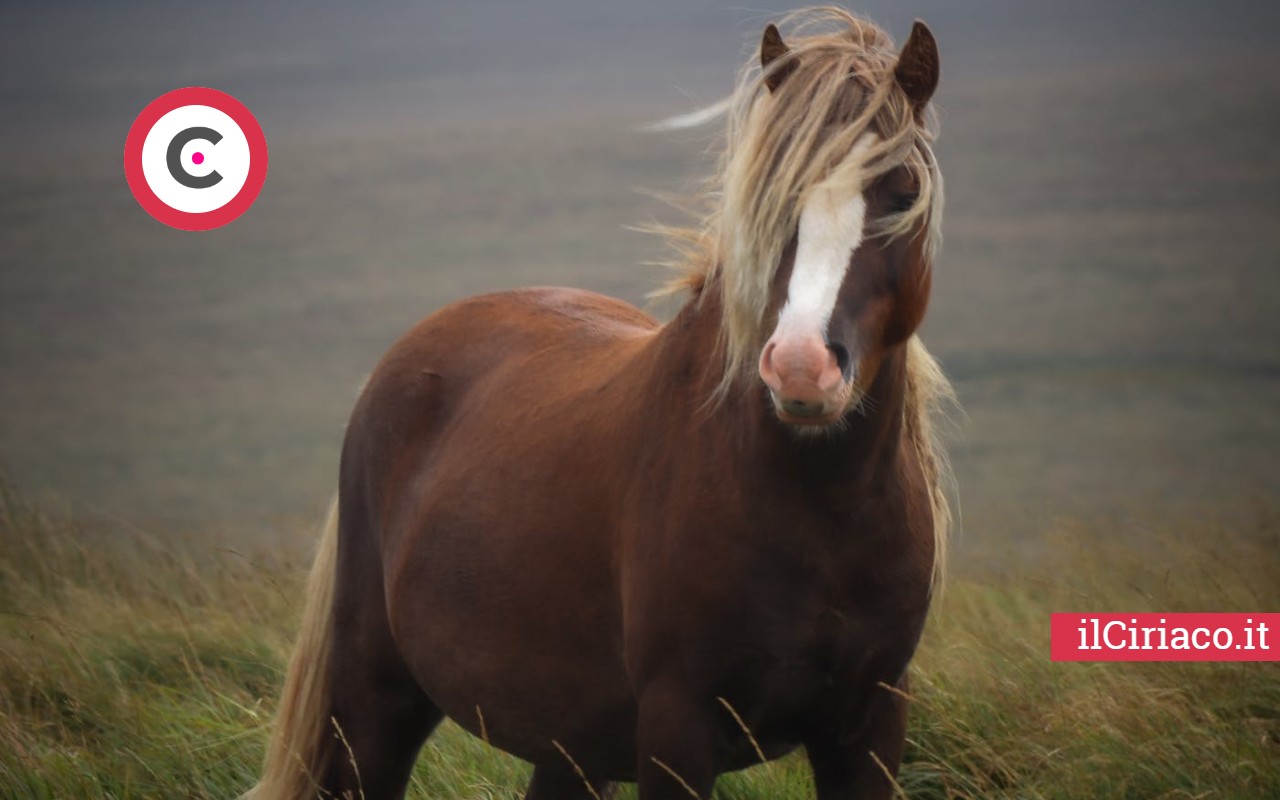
[(197, 158)]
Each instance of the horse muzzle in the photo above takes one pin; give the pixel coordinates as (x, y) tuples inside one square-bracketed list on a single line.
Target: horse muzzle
[(804, 379)]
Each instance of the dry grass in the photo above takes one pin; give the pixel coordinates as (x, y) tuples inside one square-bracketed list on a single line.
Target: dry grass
[(133, 669), (995, 718)]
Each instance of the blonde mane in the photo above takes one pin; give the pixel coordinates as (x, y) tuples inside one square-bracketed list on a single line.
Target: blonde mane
[(781, 146)]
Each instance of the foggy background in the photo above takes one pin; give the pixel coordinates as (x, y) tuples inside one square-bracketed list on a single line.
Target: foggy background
[(1106, 297)]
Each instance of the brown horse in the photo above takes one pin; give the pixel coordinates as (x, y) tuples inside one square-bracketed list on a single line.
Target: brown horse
[(627, 551)]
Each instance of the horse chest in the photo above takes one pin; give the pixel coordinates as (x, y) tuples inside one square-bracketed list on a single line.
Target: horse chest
[(833, 650), (817, 673), (816, 649), (838, 614)]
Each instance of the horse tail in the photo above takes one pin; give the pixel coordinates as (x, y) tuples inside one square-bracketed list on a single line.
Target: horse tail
[(299, 749)]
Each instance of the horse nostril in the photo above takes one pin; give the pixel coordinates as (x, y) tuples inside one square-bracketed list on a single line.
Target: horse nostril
[(842, 357), (799, 408), (767, 371)]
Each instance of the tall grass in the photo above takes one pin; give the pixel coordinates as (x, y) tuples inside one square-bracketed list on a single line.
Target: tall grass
[(995, 718), (133, 668)]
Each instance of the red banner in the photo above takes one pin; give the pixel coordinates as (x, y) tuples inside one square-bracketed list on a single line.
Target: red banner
[(1165, 637)]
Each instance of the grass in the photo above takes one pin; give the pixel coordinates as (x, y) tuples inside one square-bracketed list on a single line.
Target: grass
[(133, 668)]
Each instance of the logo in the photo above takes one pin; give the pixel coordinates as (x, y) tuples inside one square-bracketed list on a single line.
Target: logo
[(195, 159)]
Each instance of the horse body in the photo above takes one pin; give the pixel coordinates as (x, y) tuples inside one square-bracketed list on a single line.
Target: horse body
[(769, 572), (584, 538)]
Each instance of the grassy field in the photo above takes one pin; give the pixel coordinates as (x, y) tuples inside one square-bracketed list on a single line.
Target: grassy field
[(1105, 302), (135, 669)]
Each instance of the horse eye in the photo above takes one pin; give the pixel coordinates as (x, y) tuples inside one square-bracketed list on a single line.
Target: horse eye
[(902, 203)]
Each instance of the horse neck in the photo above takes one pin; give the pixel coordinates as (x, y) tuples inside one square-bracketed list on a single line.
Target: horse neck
[(688, 363)]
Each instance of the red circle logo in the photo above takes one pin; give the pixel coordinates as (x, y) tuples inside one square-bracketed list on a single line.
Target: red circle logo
[(195, 158)]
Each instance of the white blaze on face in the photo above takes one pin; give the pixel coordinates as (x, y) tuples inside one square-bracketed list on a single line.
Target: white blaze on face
[(831, 229)]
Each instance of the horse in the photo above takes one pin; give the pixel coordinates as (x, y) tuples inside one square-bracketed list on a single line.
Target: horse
[(627, 551)]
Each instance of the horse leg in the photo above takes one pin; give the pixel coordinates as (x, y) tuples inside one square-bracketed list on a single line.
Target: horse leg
[(865, 766), (380, 716), (350, 718), (676, 746), (562, 783), (379, 723)]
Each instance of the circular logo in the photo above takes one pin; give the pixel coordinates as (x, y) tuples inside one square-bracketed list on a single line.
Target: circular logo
[(195, 158)]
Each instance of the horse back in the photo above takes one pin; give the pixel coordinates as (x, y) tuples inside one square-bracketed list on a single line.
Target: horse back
[(485, 375)]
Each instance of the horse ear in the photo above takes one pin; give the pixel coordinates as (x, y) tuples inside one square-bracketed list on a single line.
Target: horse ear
[(771, 49), (917, 69)]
